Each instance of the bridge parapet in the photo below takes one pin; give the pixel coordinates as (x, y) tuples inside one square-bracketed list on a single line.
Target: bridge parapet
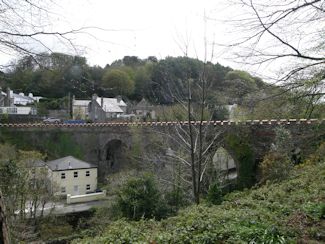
[(168, 123)]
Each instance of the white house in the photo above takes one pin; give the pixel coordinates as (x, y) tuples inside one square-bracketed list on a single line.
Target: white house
[(21, 99), (80, 109), (99, 108), (144, 109), (18, 110), (70, 175), (12, 103)]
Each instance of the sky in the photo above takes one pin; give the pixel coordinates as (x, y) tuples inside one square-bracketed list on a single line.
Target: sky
[(142, 28)]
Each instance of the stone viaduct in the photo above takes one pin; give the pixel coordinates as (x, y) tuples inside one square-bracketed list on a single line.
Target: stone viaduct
[(106, 144)]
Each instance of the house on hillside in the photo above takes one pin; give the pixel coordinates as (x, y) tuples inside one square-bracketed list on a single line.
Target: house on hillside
[(16, 104), (101, 108), (80, 108), (98, 108), (144, 110), (73, 176)]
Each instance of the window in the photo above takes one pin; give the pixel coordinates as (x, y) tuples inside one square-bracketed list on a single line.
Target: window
[(87, 173), (62, 189), (87, 187), (75, 174), (62, 175)]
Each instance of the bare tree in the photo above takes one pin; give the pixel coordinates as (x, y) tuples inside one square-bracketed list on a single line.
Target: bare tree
[(286, 35), (194, 137), (26, 27)]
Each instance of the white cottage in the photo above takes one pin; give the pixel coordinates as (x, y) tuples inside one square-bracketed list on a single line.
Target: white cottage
[(70, 175)]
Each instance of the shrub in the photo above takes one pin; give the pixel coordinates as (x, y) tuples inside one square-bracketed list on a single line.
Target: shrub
[(214, 195), (274, 167), (322, 212), (140, 198), (318, 156), (50, 231), (176, 199)]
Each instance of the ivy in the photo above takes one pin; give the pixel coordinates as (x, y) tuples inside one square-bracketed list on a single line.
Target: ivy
[(244, 156)]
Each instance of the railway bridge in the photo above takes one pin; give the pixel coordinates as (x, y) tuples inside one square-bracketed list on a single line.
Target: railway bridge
[(113, 145)]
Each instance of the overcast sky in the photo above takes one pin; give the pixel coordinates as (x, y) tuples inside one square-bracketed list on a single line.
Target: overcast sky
[(139, 28), (144, 28)]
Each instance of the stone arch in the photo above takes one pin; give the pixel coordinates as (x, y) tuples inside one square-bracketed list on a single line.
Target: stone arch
[(112, 157), (225, 164)]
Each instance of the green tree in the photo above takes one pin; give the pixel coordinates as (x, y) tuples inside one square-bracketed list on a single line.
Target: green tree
[(214, 195), (119, 81), (140, 197), (276, 164)]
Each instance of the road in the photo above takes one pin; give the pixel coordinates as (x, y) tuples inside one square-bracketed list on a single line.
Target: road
[(61, 208)]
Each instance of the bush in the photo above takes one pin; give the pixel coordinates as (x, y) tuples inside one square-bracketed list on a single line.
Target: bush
[(284, 212), (322, 213), (274, 167), (176, 199), (214, 195), (140, 198), (318, 156), (50, 231)]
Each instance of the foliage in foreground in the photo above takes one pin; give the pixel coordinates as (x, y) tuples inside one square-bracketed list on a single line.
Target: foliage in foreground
[(140, 197), (284, 212)]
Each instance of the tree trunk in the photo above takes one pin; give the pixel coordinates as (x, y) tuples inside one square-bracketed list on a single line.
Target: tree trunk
[(189, 107), (4, 230)]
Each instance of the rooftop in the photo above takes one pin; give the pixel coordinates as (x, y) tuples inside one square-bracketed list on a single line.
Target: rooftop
[(69, 163), (112, 105)]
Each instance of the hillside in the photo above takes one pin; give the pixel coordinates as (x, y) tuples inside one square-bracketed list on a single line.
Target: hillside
[(162, 82), (289, 211)]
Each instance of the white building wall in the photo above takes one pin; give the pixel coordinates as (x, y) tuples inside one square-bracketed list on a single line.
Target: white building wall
[(18, 110), (74, 185), (80, 112)]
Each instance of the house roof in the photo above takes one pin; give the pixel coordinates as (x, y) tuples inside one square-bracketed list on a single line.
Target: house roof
[(68, 163), (111, 105), (39, 163), (143, 104), (15, 95), (19, 96)]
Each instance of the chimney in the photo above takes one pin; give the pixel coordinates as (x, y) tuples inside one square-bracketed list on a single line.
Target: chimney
[(2, 98), (119, 99), (94, 97), (102, 102), (7, 103)]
